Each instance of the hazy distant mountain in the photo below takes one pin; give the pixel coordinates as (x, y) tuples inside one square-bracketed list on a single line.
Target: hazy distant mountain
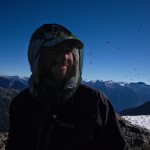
[(143, 109), (13, 82), (123, 95)]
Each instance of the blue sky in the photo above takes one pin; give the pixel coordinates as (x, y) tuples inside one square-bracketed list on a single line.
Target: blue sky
[(116, 34)]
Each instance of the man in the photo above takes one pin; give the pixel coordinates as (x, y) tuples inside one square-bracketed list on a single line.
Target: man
[(57, 111)]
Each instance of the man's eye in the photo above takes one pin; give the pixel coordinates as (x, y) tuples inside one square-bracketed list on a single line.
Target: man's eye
[(68, 49)]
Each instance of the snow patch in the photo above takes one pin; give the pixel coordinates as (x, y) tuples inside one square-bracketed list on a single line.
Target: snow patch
[(141, 120)]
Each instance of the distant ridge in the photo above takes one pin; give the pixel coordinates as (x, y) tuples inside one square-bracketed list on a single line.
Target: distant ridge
[(121, 94), (13, 82), (143, 109)]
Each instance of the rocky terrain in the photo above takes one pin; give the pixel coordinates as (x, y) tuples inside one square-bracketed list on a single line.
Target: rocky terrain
[(137, 138), (6, 95), (3, 139)]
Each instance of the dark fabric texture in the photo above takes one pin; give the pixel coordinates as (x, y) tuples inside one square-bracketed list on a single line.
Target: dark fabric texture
[(88, 122)]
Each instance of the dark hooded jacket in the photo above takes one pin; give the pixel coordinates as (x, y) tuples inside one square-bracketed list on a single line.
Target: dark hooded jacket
[(81, 119), (86, 123)]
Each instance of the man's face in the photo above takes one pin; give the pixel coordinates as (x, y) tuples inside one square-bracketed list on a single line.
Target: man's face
[(58, 62)]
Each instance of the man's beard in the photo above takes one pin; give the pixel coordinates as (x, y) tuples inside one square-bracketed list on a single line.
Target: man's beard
[(54, 80), (52, 89)]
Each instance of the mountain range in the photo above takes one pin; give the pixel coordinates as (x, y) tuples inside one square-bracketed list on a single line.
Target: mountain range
[(13, 82), (122, 95)]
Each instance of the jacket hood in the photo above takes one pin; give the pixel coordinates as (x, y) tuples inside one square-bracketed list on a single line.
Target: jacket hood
[(49, 35)]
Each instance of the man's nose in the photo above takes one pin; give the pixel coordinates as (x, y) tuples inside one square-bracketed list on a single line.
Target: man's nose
[(64, 55)]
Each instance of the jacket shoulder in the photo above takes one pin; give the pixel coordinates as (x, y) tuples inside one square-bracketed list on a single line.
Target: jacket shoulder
[(92, 93), (21, 98)]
